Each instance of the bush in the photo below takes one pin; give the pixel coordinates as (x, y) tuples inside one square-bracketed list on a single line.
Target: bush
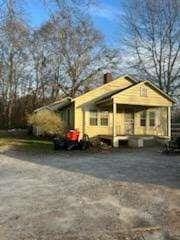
[(48, 122)]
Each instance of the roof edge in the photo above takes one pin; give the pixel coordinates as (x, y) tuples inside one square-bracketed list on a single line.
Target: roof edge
[(154, 86), (161, 91), (53, 104), (128, 77)]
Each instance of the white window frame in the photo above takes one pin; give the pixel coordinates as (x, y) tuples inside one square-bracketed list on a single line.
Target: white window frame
[(145, 118), (99, 117), (93, 111), (68, 113), (149, 119)]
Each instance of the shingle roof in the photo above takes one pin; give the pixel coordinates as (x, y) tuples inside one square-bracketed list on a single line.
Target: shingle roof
[(108, 96), (55, 105)]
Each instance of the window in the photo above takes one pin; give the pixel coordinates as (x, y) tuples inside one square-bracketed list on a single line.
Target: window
[(152, 117), (99, 118), (68, 116), (62, 116), (143, 119), (104, 118), (93, 118), (143, 92)]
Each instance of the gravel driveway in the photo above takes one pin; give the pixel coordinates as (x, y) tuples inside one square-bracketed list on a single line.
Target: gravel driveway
[(76, 195)]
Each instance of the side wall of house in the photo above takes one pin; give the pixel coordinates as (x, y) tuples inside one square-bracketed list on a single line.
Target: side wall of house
[(67, 115)]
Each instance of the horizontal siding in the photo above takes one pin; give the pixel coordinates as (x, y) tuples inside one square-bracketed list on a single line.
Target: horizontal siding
[(64, 112), (160, 128), (104, 130), (132, 96), (99, 92), (87, 101)]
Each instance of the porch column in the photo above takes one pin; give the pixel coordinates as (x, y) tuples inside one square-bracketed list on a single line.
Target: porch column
[(169, 122), (115, 143)]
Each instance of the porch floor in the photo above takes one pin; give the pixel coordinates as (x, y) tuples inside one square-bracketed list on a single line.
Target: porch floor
[(128, 136)]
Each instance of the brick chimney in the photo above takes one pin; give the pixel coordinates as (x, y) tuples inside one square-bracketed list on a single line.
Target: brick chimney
[(107, 77)]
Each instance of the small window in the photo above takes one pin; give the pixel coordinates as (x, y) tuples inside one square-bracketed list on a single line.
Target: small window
[(93, 118), (152, 117), (143, 92), (68, 116), (104, 118), (143, 119), (62, 116)]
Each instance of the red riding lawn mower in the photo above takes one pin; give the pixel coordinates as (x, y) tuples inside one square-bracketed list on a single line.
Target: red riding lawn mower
[(72, 142)]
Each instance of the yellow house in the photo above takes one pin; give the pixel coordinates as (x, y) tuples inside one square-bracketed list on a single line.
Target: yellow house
[(120, 109)]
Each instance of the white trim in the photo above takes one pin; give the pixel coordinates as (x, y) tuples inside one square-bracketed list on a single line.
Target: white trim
[(141, 83), (127, 77), (114, 123), (93, 110), (155, 118), (145, 118), (169, 121), (98, 118)]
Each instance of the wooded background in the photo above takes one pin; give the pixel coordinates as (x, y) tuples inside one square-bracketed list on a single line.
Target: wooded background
[(67, 55)]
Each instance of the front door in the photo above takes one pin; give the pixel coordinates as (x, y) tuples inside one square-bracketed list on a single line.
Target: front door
[(129, 122)]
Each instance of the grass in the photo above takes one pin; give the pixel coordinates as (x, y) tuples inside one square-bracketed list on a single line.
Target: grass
[(26, 143)]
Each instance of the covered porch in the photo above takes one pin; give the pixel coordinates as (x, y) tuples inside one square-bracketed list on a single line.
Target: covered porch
[(135, 122)]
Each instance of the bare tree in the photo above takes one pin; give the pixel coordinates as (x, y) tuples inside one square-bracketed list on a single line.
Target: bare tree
[(71, 3), (64, 57), (152, 41), (76, 55), (13, 54)]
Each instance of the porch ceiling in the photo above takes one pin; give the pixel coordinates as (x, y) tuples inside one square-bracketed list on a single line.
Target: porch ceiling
[(109, 102), (105, 102)]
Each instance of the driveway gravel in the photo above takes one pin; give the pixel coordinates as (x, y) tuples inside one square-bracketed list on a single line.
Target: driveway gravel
[(79, 195)]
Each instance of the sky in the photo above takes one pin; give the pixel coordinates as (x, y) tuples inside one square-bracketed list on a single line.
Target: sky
[(104, 15)]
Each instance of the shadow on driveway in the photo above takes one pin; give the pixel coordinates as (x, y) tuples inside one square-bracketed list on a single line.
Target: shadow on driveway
[(145, 166)]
